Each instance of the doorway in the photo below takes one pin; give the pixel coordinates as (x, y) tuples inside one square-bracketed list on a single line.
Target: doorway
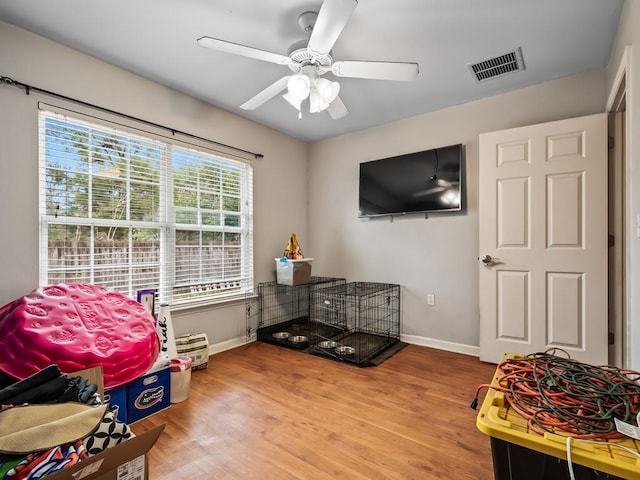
[(617, 126)]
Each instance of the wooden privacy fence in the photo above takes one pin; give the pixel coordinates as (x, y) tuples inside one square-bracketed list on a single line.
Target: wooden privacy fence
[(197, 267)]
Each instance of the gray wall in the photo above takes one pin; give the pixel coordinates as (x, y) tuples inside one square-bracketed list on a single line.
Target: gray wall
[(436, 255), (33, 60)]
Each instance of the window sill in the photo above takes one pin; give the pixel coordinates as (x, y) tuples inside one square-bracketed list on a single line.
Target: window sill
[(226, 303)]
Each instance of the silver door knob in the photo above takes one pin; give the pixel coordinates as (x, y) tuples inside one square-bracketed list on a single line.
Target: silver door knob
[(487, 260)]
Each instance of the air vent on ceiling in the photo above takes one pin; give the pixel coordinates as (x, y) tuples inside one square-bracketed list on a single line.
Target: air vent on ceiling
[(497, 66)]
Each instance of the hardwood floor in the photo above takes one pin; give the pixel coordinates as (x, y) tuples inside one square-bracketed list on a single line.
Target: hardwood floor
[(265, 412)]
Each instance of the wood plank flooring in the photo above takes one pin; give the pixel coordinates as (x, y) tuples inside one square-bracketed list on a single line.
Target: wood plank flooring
[(265, 412)]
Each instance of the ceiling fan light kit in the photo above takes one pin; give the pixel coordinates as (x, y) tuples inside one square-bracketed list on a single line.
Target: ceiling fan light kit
[(320, 92), (310, 60)]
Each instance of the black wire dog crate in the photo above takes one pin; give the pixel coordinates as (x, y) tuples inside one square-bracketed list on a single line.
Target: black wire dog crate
[(284, 311), (366, 317)]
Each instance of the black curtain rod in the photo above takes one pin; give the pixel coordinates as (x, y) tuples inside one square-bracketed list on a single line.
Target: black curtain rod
[(29, 88)]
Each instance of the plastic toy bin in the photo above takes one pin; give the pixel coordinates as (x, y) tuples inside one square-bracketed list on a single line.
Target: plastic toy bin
[(521, 454), (293, 272)]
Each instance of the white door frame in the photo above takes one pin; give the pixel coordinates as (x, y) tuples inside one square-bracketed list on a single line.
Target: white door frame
[(622, 82)]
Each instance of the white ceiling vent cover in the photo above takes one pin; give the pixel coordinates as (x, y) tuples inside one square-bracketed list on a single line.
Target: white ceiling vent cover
[(497, 66)]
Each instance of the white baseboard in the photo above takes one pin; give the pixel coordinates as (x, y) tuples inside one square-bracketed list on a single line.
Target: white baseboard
[(228, 345), (413, 339), (441, 345)]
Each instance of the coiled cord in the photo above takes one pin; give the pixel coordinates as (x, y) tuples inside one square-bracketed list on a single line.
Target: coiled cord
[(558, 393)]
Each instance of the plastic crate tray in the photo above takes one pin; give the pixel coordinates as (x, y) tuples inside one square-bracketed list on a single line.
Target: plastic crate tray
[(497, 420), (298, 326)]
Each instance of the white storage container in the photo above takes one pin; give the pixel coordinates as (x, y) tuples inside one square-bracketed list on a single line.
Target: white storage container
[(293, 272), (180, 379)]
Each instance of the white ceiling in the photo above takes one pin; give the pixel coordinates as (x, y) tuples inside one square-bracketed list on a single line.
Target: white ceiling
[(157, 39)]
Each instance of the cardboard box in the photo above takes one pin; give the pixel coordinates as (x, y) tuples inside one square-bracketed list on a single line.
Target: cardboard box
[(293, 272), (149, 394), (117, 397), (126, 461)]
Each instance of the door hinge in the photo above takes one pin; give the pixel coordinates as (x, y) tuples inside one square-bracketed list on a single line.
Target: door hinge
[(612, 143), (612, 338), (612, 241)]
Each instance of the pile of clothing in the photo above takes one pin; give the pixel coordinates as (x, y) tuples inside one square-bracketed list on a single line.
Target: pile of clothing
[(50, 421)]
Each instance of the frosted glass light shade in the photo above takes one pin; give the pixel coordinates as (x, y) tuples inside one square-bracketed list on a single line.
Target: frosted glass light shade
[(299, 86), (315, 102), (327, 90), (322, 94), (294, 101)]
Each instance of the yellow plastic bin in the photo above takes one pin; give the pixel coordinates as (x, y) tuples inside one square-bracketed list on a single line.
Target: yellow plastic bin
[(519, 452), (180, 379)]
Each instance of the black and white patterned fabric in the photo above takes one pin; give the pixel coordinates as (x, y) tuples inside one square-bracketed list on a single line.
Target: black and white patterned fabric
[(109, 433)]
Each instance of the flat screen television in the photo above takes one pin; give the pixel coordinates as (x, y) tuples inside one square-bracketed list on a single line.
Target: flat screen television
[(420, 182)]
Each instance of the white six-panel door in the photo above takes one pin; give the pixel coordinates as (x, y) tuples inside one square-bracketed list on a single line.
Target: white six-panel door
[(543, 239)]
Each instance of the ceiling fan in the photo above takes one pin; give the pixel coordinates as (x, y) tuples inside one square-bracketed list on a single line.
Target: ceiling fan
[(309, 60)]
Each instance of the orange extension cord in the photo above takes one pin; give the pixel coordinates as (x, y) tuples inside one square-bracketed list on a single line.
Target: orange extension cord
[(554, 392)]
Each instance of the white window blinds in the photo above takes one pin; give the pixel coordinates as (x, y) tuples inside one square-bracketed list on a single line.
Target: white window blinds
[(131, 211)]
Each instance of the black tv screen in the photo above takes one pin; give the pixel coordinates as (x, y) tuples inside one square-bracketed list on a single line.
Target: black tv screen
[(427, 181)]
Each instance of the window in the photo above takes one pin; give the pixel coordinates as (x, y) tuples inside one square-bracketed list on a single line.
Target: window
[(130, 211)]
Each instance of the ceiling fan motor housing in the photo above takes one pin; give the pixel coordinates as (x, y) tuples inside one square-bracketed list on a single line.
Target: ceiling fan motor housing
[(301, 54), (304, 56)]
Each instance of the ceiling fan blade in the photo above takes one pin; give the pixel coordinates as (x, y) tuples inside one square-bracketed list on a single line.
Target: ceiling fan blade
[(237, 49), (337, 109), (267, 94), (332, 18), (399, 71)]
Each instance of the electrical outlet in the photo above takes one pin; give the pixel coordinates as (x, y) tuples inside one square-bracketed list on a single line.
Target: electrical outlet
[(431, 299)]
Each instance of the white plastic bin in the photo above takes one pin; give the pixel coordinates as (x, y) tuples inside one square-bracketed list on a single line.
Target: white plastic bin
[(293, 272), (180, 379)]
